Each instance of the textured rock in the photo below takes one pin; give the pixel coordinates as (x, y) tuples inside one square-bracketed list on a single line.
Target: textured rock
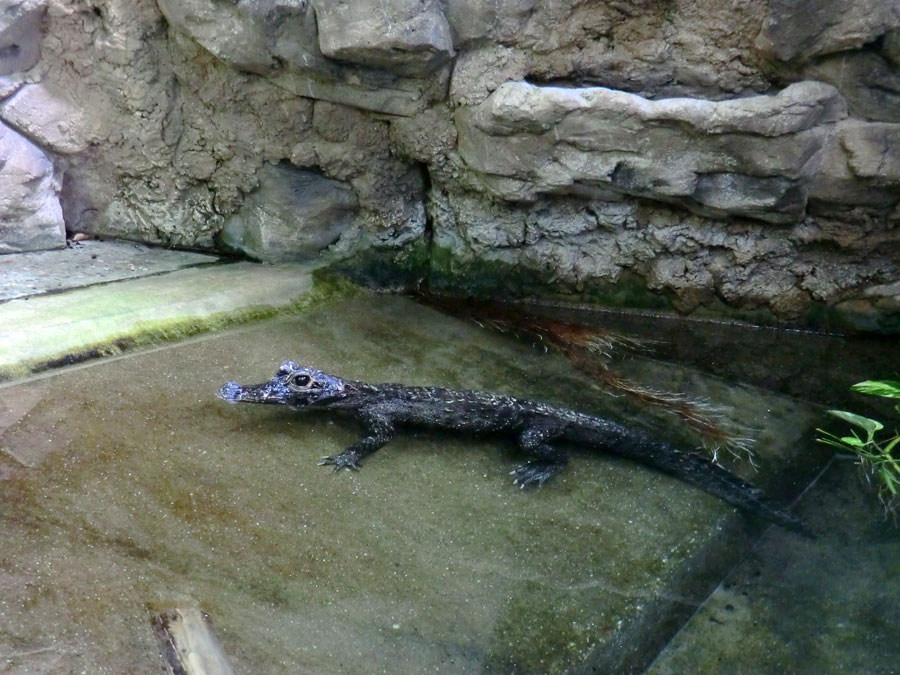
[(281, 41), (474, 20), (752, 157), (409, 37), (796, 30), (165, 169), (701, 48), (351, 146), (861, 166), (47, 113), (547, 134), (30, 215), (10, 84), (20, 34), (294, 215), (866, 80), (873, 151), (876, 308), (890, 46), (585, 248), (234, 32)]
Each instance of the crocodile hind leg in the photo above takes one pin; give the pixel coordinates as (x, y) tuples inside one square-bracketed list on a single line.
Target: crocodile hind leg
[(547, 462), (380, 430)]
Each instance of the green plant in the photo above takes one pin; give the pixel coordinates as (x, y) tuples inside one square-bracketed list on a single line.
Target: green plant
[(875, 454)]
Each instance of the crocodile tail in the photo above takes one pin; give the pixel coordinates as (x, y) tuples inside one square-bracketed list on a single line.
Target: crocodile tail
[(692, 468)]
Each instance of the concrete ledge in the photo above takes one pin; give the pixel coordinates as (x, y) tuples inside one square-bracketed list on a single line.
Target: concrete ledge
[(87, 263), (43, 331)]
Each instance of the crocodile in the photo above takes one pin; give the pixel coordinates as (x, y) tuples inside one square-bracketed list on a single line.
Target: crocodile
[(536, 428)]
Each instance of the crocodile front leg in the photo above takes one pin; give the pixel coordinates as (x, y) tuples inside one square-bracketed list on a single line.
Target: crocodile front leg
[(380, 430)]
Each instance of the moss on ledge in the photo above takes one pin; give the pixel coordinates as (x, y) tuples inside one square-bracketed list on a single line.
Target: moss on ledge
[(440, 270), (66, 328)]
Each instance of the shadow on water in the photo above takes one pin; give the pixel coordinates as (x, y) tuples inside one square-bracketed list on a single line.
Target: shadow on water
[(128, 489)]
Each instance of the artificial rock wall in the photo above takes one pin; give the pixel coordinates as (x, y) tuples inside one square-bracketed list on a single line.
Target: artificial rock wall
[(739, 158)]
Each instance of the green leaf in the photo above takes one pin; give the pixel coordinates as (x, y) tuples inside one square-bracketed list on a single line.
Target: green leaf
[(870, 425), (885, 388), (834, 444)]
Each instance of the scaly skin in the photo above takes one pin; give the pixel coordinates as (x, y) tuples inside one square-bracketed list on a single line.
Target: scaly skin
[(535, 427)]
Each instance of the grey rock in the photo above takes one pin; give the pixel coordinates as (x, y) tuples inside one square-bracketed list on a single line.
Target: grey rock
[(890, 46), (751, 157), (20, 34), (10, 84), (866, 80), (402, 97), (280, 40), (502, 21), (576, 244), (30, 215), (47, 114), (408, 37), (252, 34), (873, 150), (836, 184), (860, 167), (171, 114), (234, 32), (294, 215), (875, 308), (478, 72), (798, 30)]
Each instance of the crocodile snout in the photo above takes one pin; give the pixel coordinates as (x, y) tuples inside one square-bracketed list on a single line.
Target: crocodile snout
[(231, 392)]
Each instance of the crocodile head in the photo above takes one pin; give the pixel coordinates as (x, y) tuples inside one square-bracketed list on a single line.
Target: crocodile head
[(293, 385)]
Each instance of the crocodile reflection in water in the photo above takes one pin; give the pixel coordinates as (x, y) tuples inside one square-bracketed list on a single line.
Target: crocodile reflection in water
[(535, 427)]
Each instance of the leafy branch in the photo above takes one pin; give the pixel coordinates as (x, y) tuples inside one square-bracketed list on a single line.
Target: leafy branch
[(874, 453)]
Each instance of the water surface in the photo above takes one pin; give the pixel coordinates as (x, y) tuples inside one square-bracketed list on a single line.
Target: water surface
[(127, 488)]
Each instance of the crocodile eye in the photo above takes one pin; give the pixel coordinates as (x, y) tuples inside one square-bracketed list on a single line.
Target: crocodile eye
[(302, 380)]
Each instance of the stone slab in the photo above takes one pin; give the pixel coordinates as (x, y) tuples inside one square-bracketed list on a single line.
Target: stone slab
[(150, 493), (55, 329), (85, 263)]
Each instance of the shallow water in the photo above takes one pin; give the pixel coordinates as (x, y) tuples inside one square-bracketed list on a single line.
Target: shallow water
[(127, 488)]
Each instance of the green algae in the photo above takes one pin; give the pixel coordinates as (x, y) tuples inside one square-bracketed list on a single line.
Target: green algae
[(439, 269), (118, 299)]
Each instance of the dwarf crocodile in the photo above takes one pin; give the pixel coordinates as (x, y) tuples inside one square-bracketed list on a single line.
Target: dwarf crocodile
[(536, 427)]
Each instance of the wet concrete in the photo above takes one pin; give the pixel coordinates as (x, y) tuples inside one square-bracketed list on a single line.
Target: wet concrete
[(61, 328), (128, 488)]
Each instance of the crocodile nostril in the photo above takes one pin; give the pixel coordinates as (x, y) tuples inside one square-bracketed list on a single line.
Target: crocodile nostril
[(230, 391)]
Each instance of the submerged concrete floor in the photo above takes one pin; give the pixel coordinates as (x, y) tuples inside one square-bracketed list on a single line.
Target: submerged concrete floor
[(128, 488), (829, 605)]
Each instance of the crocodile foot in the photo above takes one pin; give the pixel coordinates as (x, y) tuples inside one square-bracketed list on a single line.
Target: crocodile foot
[(537, 473), (346, 460)]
